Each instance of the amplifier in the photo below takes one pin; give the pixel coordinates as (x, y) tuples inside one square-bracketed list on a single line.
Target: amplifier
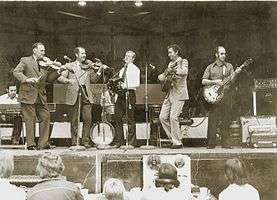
[(263, 84), (258, 123)]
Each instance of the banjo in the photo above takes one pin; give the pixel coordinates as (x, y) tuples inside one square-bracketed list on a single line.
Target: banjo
[(215, 93)]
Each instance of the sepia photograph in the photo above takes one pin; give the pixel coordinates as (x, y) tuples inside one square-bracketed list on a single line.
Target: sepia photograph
[(138, 100)]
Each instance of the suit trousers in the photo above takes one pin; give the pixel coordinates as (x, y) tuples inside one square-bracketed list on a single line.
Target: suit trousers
[(85, 114), (169, 118), (120, 110), (32, 113)]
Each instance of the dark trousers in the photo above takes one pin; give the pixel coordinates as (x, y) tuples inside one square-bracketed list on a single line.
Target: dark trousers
[(32, 113), (218, 122), (85, 113), (120, 110), (17, 122)]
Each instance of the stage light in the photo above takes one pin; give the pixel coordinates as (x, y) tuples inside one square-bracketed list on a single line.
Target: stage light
[(138, 3), (82, 3)]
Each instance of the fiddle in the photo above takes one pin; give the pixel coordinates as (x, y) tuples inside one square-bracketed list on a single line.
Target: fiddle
[(47, 63), (88, 64)]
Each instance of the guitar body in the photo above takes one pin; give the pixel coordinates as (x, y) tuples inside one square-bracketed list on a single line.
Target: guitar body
[(213, 94)]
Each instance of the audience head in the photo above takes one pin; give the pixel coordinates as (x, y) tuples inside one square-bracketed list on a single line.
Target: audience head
[(167, 177), (234, 171), (113, 189), (6, 164), (50, 165)]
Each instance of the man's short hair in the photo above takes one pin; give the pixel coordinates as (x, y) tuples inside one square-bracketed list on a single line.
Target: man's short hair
[(234, 171), (133, 53), (10, 85), (6, 164), (77, 49), (175, 48), (167, 176), (37, 44), (50, 165), (113, 189)]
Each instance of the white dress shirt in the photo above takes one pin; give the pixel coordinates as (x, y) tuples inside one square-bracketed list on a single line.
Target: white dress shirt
[(10, 191), (5, 99), (132, 78), (234, 191)]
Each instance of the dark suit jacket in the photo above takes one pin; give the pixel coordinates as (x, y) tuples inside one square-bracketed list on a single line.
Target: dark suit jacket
[(28, 93), (72, 89)]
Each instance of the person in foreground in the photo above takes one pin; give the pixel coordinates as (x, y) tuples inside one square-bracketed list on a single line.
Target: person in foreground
[(237, 189), (167, 185), (113, 189), (53, 186), (6, 170)]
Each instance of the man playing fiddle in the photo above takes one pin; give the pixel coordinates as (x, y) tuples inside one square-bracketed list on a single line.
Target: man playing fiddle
[(78, 77), (32, 96)]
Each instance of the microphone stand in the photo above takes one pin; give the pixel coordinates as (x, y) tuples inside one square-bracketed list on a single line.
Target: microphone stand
[(127, 146), (147, 146), (103, 146), (78, 147)]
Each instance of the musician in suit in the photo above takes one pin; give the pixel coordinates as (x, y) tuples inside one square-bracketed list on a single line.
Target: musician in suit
[(130, 75), (176, 96), (11, 97), (32, 96), (78, 77), (219, 114)]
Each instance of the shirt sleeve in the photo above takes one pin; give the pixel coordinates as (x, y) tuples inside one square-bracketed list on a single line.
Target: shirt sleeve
[(206, 74)]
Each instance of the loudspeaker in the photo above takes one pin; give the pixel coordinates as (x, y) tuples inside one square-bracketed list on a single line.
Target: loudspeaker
[(248, 122), (266, 102)]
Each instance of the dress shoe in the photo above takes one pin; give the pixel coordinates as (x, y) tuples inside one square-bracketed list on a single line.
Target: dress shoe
[(210, 146), (87, 145), (44, 147), (116, 145), (176, 146), (31, 148)]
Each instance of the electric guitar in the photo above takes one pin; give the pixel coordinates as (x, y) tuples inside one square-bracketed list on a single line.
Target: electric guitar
[(170, 76), (215, 93)]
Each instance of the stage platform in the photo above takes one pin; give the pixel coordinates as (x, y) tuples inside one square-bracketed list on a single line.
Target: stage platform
[(92, 167)]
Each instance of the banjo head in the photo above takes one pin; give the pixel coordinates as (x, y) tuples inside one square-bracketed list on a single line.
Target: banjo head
[(102, 133)]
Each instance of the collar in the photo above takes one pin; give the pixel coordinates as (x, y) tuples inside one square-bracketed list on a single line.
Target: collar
[(219, 63), (177, 60), (34, 57)]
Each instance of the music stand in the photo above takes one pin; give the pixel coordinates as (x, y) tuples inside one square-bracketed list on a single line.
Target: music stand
[(147, 146)]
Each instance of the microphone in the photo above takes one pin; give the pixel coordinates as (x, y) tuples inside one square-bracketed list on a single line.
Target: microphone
[(152, 66), (67, 58)]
